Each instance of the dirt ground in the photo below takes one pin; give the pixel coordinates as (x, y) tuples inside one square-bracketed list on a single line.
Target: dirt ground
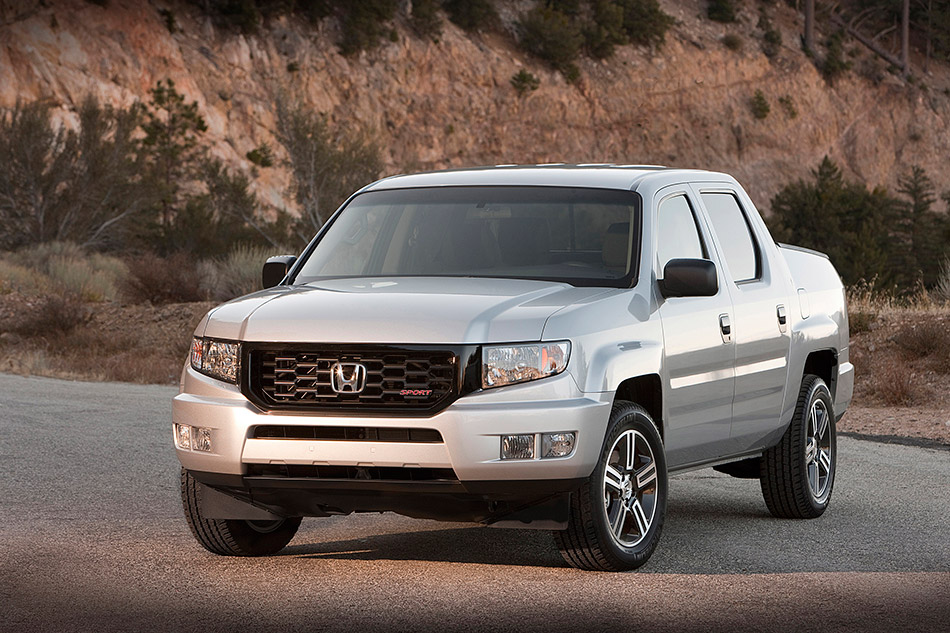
[(124, 343), (901, 358), (902, 374)]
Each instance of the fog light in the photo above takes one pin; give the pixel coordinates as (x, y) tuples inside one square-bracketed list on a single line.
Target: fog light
[(183, 436), (517, 446), (201, 439), (557, 444)]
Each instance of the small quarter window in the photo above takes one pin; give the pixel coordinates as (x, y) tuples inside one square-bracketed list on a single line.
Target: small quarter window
[(677, 235), (732, 229)]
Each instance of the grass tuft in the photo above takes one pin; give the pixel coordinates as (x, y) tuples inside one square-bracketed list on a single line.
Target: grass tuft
[(923, 339), (894, 384)]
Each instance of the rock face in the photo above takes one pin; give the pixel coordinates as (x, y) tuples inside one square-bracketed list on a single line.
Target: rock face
[(446, 104)]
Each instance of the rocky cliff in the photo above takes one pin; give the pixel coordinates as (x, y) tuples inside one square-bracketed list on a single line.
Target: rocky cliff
[(450, 103)]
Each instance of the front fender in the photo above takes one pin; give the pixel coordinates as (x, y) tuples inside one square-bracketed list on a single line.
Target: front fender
[(612, 364), (605, 359)]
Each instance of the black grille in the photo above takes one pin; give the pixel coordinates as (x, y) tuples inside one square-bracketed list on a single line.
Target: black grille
[(419, 380), (355, 473), (347, 433)]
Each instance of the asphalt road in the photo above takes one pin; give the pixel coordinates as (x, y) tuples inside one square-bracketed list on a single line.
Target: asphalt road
[(92, 539)]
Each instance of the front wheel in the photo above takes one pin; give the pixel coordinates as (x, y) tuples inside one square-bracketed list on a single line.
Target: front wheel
[(617, 515), (233, 537), (798, 473)]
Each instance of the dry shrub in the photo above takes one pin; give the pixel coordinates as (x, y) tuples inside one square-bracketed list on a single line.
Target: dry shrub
[(894, 384), (159, 280), (860, 322), (923, 339), (94, 278), (865, 296), (942, 289), (38, 256), (239, 273), (93, 341), (63, 267), (15, 276), (26, 362), (51, 316), (732, 41)]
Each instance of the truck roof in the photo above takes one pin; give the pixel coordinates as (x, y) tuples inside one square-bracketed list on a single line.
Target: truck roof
[(605, 176)]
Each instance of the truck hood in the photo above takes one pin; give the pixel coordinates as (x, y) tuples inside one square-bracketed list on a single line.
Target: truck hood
[(425, 310)]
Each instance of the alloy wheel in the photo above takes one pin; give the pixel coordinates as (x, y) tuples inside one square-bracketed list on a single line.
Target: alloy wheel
[(630, 481), (818, 454)]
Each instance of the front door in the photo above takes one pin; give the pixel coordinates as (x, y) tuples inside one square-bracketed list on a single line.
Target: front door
[(699, 359)]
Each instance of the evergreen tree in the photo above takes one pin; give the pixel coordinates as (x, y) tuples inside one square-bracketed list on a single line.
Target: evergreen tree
[(842, 219), (173, 149), (918, 228), (201, 207)]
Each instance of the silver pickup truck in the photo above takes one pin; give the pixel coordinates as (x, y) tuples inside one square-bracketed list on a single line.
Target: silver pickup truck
[(532, 347)]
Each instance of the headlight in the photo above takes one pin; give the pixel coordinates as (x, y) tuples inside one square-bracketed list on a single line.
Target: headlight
[(510, 364), (218, 359)]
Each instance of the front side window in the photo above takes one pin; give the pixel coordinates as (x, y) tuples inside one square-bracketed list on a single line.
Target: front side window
[(576, 235), (677, 234), (735, 236)]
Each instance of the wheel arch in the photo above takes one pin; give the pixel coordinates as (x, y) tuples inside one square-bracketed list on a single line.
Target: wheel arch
[(647, 391), (823, 363), (813, 350)]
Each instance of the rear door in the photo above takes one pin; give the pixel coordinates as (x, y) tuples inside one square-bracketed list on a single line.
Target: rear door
[(760, 327), (699, 360)]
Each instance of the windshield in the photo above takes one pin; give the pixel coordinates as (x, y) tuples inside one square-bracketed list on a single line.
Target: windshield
[(584, 237)]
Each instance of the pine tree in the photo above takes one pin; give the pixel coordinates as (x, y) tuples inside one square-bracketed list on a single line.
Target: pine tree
[(174, 153), (839, 218), (919, 228)]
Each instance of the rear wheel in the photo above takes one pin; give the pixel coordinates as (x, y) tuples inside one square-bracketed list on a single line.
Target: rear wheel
[(617, 515), (233, 537), (798, 473)]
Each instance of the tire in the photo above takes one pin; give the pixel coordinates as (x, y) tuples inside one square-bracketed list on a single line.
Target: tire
[(617, 515), (798, 473), (233, 537)]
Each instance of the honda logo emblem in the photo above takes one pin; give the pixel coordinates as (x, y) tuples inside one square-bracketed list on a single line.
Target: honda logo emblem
[(347, 377)]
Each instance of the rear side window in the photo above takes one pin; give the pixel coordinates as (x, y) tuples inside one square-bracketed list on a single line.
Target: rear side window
[(677, 235), (732, 229)]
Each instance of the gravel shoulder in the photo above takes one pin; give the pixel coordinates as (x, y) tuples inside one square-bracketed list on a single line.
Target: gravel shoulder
[(883, 423)]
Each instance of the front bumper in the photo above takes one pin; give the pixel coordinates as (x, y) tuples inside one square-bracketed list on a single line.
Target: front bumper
[(471, 428)]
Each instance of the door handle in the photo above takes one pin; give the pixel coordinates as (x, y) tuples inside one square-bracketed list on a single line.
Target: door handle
[(725, 327), (782, 318)]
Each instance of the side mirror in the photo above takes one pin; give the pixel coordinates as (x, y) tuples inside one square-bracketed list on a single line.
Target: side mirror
[(689, 278), (275, 269)]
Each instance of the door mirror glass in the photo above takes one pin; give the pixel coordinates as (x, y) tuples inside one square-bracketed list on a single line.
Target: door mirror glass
[(689, 278)]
